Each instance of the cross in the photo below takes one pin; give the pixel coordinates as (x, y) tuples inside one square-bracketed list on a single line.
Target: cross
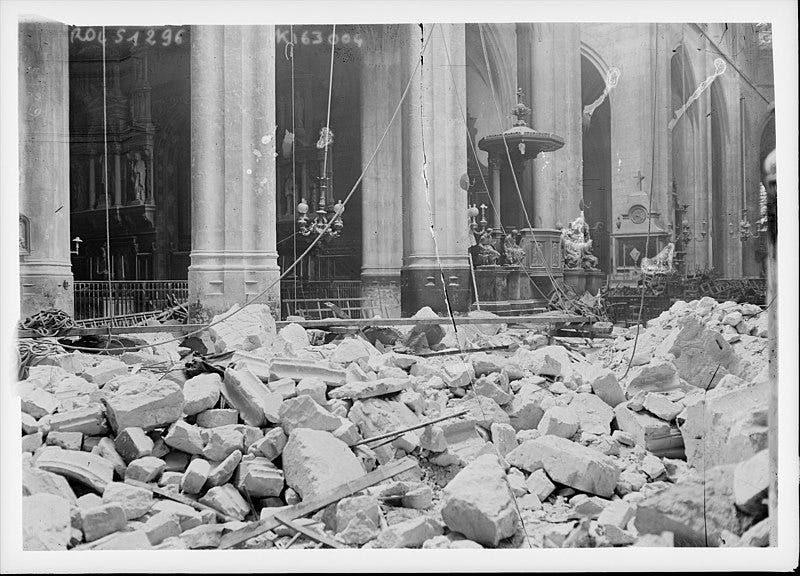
[(639, 177)]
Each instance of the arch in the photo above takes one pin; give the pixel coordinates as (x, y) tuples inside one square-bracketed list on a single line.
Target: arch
[(593, 56)]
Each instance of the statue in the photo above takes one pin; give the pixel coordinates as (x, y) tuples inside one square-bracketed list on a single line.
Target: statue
[(515, 255), (325, 138), (485, 253), (661, 263), (576, 245), (138, 174)]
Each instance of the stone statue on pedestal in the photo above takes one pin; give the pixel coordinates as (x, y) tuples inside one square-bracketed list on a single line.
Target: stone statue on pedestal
[(138, 175), (486, 254), (576, 245), (515, 255)]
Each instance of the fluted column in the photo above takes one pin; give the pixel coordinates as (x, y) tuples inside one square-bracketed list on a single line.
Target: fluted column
[(45, 268), (555, 96), (434, 159), (382, 187), (233, 256)]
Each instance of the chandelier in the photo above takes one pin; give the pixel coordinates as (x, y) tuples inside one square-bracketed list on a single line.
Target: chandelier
[(327, 220)]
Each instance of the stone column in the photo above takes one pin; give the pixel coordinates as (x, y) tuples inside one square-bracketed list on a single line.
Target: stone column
[(434, 159), (233, 256), (494, 165), (555, 96), (116, 149), (45, 267), (382, 187)]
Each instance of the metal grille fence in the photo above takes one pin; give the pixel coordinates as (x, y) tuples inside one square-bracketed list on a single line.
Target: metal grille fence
[(92, 299)]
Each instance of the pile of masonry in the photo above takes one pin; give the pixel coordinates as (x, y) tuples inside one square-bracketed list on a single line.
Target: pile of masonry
[(555, 448)]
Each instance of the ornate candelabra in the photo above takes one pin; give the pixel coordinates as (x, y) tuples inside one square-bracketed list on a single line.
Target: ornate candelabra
[(328, 219)]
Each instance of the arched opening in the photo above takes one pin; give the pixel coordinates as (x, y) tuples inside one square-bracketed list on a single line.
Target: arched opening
[(597, 163), (686, 197), (717, 219), (755, 262)]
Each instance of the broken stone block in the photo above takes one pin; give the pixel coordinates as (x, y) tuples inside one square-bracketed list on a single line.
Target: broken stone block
[(149, 405), (66, 440), (217, 417), (102, 520), (132, 443), (503, 437), (701, 354), (206, 536), (105, 371), (630, 481), (729, 426), (696, 510), (46, 522), (315, 462), (348, 509), (31, 442), (303, 412), (271, 445), (375, 416), (617, 513), (540, 485), (419, 499), (89, 469), (485, 387), (433, 439), (483, 410), (751, 483), (226, 499), (298, 369), (89, 500), (351, 350), (559, 421), (315, 388), (243, 328), (757, 536), (360, 530), (221, 472), (36, 401), (594, 415), (371, 388), (652, 466), (661, 406), (135, 501), (221, 442), (251, 397), (145, 469), (161, 526), (170, 477), (286, 387), (89, 420), (525, 410), (479, 504), (568, 463), (37, 481), (259, 478), (185, 437), (458, 374), (347, 432), (195, 476), (105, 448), (187, 516), (295, 335), (201, 393), (657, 376), (642, 427), (409, 534), (605, 385), (483, 363)]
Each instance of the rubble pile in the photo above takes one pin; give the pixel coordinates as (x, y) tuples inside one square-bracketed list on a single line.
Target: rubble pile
[(540, 444)]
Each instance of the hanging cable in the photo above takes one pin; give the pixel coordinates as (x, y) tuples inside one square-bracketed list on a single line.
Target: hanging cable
[(557, 289), (109, 264), (305, 252), (328, 120), (649, 206)]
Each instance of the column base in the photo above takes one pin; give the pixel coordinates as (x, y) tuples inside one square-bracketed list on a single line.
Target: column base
[(40, 292), (384, 291), (420, 287)]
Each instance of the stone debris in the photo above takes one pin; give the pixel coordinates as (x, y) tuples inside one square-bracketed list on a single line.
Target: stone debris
[(552, 441)]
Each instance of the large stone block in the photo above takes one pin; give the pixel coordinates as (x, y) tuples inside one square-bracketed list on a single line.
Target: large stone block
[(89, 420), (568, 463), (641, 426), (135, 501), (479, 504), (594, 414), (46, 522), (303, 412), (751, 483), (370, 388), (298, 369), (256, 404), (243, 328), (315, 462), (89, 469), (525, 410), (201, 393), (102, 520), (375, 416), (259, 478), (150, 405)]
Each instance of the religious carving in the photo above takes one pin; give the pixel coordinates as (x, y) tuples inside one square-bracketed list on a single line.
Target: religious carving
[(486, 254), (24, 235), (661, 263), (325, 138), (514, 254), (138, 171), (576, 245)]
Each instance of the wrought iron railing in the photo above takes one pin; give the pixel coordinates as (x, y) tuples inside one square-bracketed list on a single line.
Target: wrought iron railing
[(308, 298), (127, 297)]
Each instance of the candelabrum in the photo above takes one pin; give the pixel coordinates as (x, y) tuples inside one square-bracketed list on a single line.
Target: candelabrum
[(478, 227)]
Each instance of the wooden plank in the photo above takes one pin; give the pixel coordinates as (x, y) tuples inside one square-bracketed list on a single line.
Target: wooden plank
[(304, 508), (410, 428), (308, 533), (180, 498)]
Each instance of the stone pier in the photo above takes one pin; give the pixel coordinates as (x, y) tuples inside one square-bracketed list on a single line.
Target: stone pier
[(45, 268)]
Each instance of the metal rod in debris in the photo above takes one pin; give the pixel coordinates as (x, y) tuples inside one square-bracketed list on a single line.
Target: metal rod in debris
[(410, 428)]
